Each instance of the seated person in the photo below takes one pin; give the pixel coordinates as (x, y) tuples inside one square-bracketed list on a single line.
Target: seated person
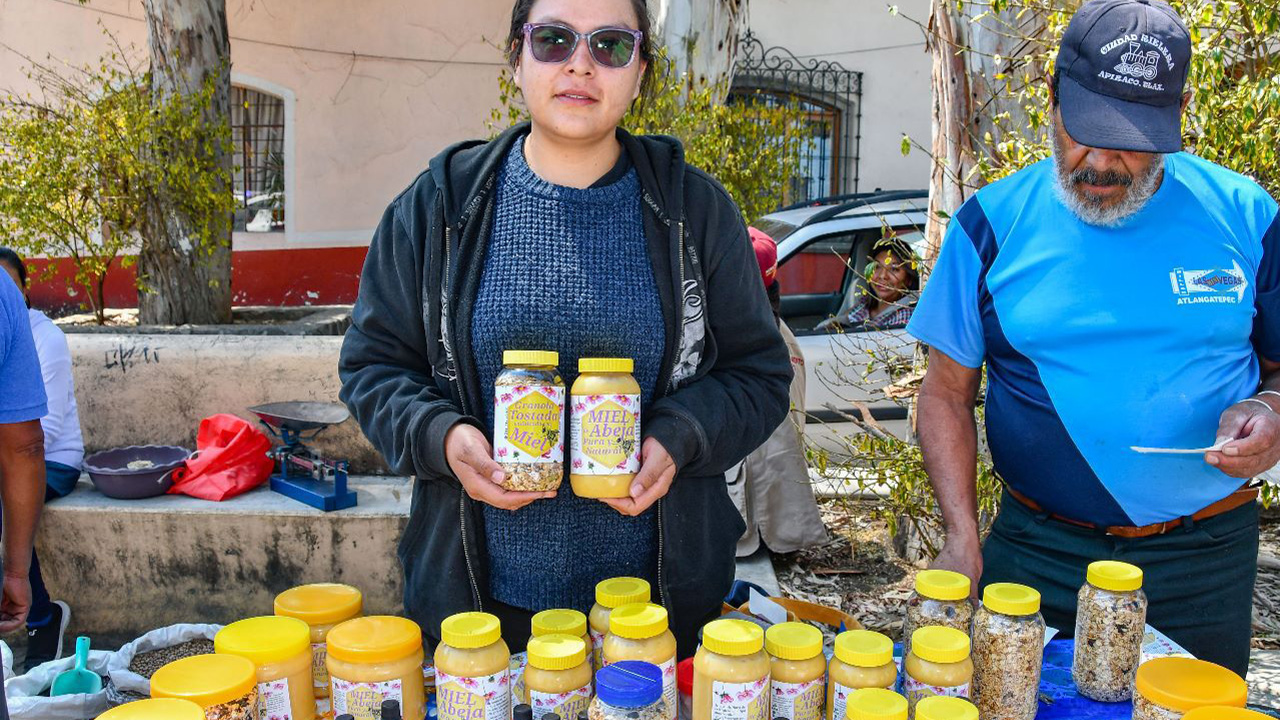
[(64, 453), (891, 292)]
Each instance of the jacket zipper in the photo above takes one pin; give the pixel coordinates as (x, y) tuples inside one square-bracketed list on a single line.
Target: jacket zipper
[(662, 579), (462, 399)]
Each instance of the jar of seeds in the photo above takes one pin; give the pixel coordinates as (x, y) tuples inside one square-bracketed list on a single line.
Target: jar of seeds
[(629, 690), (941, 598), (1008, 650), (1111, 617), (528, 420)]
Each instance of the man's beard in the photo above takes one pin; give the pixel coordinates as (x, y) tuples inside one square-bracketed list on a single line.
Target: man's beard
[(1138, 189)]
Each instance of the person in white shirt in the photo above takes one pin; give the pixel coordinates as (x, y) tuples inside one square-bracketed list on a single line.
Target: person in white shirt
[(63, 454)]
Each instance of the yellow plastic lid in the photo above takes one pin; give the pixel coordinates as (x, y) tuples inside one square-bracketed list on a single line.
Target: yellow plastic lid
[(733, 637), (945, 708), (470, 630), (638, 621), (206, 680), (941, 645), (556, 652), (321, 603), (531, 357), (875, 704), (1011, 599), (265, 640), (942, 585), (1114, 576), (618, 591), (609, 365), (1219, 712), (863, 648), (374, 639), (155, 709), (566, 622), (793, 641), (1182, 684)]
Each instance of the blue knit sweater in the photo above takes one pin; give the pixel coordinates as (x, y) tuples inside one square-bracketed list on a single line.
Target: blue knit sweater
[(566, 270)]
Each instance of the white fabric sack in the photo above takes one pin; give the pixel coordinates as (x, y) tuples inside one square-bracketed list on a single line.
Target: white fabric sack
[(25, 703), (122, 680)]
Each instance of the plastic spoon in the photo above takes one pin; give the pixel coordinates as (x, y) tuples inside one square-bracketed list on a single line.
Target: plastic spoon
[(79, 680)]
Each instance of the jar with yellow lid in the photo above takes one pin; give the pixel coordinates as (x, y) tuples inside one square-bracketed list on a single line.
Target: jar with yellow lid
[(948, 708), (862, 660), (612, 593), (473, 670), (321, 606), (731, 673), (528, 420), (798, 671), (372, 659), (639, 631), (1169, 687), (225, 686), (280, 648), (560, 622), (876, 704), (1111, 618), (558, 677), (1008, 651), (938, 666), (941, 599), (604, 428), (1224, 713), (155, 709)]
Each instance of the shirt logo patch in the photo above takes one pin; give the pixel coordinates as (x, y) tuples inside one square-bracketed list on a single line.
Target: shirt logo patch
[(1209, 286)]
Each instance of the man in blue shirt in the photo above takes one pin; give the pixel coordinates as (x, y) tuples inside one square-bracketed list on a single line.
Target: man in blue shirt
[(22, 404), (1122, 295)]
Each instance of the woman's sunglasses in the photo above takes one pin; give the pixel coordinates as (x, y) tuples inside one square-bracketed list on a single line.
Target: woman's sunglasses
[(610, 47)]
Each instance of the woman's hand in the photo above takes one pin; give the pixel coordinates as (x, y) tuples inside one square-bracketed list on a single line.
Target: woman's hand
[(471, 458), (657, 470)]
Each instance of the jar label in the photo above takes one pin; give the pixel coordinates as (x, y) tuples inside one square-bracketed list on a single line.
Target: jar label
[(916, 690), (669, 692), (473, 698), (740, 701), (798, 701), (840, 697), (323, 706), (597, 649), (528, 424), (273, 700), (319, 670), (518, 693), (604, 435), (364, 700), (566, 704)]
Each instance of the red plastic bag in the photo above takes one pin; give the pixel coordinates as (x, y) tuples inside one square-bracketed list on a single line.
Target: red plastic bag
[(230, 458)]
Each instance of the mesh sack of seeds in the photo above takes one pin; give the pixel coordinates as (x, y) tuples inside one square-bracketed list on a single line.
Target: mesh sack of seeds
[(27, 703), (129, 672)]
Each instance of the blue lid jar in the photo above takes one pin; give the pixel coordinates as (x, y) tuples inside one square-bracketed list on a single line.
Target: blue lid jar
[(629, 684)]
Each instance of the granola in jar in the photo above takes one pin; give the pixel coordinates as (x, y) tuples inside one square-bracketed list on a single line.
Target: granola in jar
[(1111, 616), (528, 421), (941, 599), (1008, 651), (1167, 687)]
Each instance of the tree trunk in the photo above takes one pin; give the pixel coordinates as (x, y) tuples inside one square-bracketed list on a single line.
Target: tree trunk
[(701, 36), (186, 283)]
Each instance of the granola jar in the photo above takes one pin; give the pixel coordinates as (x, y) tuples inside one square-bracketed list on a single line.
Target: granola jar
[(862, 660), (731, 673), (946, 708), (876, 704), (280, 648), (1008, 652), (226, 686), (558, 677), (612, 593), (155, 709), (798, 671), (604, 428), (528, 420), (376, 658), (938, 666), (629, 690), (1224, 713), (941, 599), (1168, 687), (1111, 617), (473, 669), (639, 631), (321, 606)]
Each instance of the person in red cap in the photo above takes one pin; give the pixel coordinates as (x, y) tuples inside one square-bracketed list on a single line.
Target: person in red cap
[(771, 486)]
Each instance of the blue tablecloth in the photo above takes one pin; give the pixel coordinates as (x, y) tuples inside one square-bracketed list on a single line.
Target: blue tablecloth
[(1058, 696)]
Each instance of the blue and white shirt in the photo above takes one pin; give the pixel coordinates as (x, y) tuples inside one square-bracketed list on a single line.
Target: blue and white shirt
[(1099, 339)]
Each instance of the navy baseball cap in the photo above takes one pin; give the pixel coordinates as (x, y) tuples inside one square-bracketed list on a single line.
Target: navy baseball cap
[(1121, 72)]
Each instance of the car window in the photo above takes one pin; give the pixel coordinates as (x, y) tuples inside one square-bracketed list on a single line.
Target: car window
[(818, 268), (866, 249), (776, 229)]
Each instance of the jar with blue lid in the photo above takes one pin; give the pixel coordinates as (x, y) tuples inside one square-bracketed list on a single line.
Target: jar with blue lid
[(629, 690)]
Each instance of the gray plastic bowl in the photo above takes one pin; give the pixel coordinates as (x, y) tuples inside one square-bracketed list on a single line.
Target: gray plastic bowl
[(110, 473)]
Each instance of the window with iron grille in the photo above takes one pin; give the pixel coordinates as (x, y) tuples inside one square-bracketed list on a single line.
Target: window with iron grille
[(257, 136)]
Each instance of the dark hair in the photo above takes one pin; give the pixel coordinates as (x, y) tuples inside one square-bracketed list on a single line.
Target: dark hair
[(520, 15), (1053, 82), (13, 260)]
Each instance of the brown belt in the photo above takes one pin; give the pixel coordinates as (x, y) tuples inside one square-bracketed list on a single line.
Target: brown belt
[(1239, 498)]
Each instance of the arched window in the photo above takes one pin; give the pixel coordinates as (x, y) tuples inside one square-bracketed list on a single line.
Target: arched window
[(257, 136)]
